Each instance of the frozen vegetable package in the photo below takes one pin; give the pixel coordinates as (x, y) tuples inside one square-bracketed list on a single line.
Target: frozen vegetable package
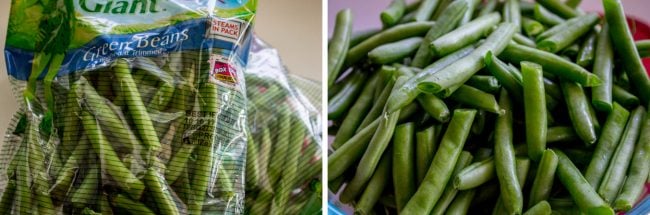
[(127, 107), (284, 158)]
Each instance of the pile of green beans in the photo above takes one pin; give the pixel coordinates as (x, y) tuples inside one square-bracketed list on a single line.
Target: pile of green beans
[(490, 107), (283, 153), (135, 137)]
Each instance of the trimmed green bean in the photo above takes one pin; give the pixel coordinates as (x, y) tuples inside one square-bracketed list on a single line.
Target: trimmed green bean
[(465, 35), (523, 40), (132, 206), (485, 83), (559, 8), (532, 27), (546, 17), (403, 163), (396, 33), (512, 13), (476, 98), (624, 97), (568, 34), (637, 171), (607, 143), (447, 22), (441, 168), (409, 91), (461, 70), (522, 165), (113, 166), (426, 9), (601, 96), (290, 167), (86, 192), (643, 47), (378, 105), (488, 7), (66, 175), (462, 202), (448, 195), (376, 185), (500, 71), (541, 208), (350, 152), (434, 106), (8, 194), (359, 36), (352, 121), (615, 175), (551, 63), (161, 192), (544, 178), (587, 52), (338, 46), (564, 26), (178, 162), (535, 109), (339, 104), (391, 15), (469, 13), (475, 174), (425, 148), (583, 194), (625, 48), (579, 112), (395, 51), (504, 156)]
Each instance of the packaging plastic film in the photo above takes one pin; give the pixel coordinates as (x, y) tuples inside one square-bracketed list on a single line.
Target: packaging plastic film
[(127, 107), (283, 166)]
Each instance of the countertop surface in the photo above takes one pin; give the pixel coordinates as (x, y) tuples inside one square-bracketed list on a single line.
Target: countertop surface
[(292, 26)]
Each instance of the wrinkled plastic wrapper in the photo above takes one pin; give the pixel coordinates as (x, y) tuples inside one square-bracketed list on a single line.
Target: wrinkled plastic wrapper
[(127, 107), (283, 167)]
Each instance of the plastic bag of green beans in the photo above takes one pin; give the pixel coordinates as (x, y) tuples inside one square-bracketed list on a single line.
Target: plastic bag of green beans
[(284, 158), (127, 107)]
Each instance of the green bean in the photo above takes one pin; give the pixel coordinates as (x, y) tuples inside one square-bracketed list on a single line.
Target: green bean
[(23, 199), (485, 83), (461, 70), (637, 172), (522, 165), (535, 109), (339, 45), (552, 89), (551, 63), (338, 106), (559, 8), (410, 7), (137, 110), (464, 159), (290, 172), (532, 27), (561, 134), (425, 147), (178, 162), (441, 168), (601, 96), (378, 105), (359, 36), (391, 15), (512, 13), (475, 174), (70, 134), (6, 203), (583, 194), (500, 71), (476, 98), (564, 26), (544, 177), (375, 149), (396, 33), (488, 7), (623, 97), (615, 175), (352, 121), (434, 106), (350, 152), (377, 184), (86, 192), (541, 208), (161, 192), (66, 175), (625, 48), (425, 11), (579, 112), (125, 179), (409, 91), (467, 34), (204, 160), (585, 57), (279, 151), (643, 47), (471, 6), (523, 40), (504, 156), (462, 202), (567, 36), (403, 163), (133, 207), (447, 22), (607, 143), (546, 17), (395, 51)]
